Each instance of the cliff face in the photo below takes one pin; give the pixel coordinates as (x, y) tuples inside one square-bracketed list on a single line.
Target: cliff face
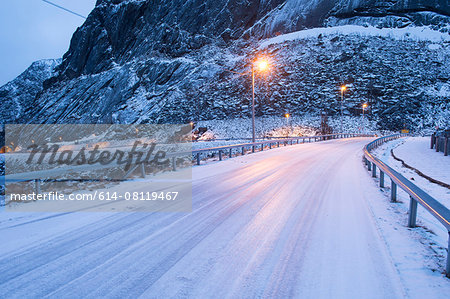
[(17, 95), (159, 61), (117, 31)]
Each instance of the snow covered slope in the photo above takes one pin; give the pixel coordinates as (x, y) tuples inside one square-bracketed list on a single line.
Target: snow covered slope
[(169, 61)]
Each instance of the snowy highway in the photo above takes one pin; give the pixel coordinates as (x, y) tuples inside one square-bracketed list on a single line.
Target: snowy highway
[(299, 221)]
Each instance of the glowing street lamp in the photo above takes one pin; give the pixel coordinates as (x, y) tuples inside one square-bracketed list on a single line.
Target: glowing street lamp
[(343, 88), (261, 64), (287, 116), (364, 106)]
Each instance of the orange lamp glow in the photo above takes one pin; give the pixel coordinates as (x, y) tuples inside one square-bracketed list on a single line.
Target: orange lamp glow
[(287, 115), (343, 88), (365, 105), (262, 64)]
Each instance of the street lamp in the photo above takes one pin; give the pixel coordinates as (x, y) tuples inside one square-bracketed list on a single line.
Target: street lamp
[(364, 106), (343, 88), (262, 65), (287, 115)]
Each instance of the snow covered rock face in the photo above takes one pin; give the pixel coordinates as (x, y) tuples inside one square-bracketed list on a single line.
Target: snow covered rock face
[(17, 96), (168, 61), (117, 31)]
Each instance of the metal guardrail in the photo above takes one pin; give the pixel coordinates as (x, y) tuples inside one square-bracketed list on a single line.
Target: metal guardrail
[(270, 143), (417, 195)]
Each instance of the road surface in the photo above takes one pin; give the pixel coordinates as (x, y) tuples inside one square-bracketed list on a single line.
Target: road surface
[(290, 222)]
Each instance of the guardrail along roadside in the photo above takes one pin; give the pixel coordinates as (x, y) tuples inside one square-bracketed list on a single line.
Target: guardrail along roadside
[(417, 195)]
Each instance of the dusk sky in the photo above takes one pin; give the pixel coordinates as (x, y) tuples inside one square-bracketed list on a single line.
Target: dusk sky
[(31, 30)]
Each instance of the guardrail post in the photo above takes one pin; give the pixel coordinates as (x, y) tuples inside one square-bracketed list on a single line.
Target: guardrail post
[(381, 179), (142, 170), (231, 153), (374, 170), (262, 147), (37, 186), (220, 155), (437, 144), (278, 143), (369, 166), (393, 191), (243, 151), (412, 212), (432, 141), (270, 145), (198, 158), (174, 164), (446, 146), (447, 268), (253, 148)]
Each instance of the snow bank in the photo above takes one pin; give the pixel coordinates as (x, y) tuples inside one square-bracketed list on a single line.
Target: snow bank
[(416, 152)]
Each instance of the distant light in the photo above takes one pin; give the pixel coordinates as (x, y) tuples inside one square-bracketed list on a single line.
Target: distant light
[(343, 88), (365, 105), (287, 115)]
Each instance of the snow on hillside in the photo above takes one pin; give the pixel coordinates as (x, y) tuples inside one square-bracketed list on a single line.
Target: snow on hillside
[(410, 33), (298, 125)]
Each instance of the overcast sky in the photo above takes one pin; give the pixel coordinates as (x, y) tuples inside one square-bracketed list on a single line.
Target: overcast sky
[(31, 30)]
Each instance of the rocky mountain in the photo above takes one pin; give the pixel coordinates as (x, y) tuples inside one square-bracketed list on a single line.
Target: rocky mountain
[(17, 95), (170, 61)]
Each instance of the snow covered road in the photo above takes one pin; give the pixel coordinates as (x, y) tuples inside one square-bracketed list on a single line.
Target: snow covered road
[(290, 222)]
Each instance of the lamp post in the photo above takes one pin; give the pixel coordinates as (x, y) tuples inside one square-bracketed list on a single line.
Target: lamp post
[(287, 115), (364, 106), (343, 88), (262, 65)]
